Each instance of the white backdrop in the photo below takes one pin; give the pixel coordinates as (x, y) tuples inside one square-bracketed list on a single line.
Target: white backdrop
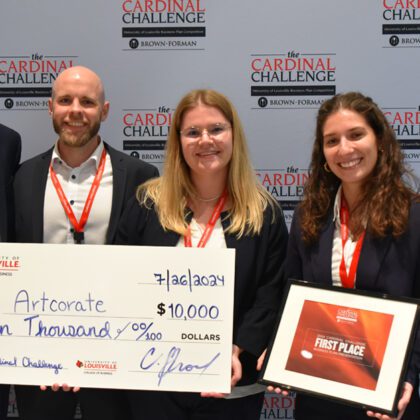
[(276, 59)]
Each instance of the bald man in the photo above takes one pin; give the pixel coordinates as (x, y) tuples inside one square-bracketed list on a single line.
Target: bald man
[(78, 161)]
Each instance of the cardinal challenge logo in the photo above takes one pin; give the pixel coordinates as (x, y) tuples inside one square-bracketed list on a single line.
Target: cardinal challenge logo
[(292, 80), (405, 122), (163, 24), (278, 406), (401, 26), (145, 132), (25, 81), (285, 185)]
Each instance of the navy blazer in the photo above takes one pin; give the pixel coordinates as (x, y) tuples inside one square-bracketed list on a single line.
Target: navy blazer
[(10, 149), (31, 180), (258, 274), (387, 265)]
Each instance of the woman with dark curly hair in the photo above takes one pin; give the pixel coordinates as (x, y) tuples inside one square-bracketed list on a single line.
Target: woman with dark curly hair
[(358, 226)]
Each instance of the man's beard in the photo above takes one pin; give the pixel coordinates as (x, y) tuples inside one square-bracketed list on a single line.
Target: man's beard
[(76, 140)]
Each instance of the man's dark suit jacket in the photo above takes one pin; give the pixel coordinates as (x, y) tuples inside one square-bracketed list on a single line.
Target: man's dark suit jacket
[(29, 188), (387, 265), (31, 180), (10, 148)]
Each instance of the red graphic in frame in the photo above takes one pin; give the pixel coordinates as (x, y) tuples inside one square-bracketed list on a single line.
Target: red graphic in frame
[(341, 344)]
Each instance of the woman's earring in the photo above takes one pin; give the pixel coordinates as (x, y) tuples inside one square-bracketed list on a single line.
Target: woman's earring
[(326, 167)]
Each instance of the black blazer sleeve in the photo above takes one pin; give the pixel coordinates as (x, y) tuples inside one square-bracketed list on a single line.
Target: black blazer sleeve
[(413, 372), (10, 150), (128, 174), (132, 223), (258, 282)]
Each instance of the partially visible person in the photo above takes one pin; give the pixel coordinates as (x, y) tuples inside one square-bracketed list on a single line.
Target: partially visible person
[(51, 192), (209, 196), (358, 226), (10, 148)]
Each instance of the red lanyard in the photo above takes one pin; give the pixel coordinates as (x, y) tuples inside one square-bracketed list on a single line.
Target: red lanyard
[(210, 225), (348, 280), (79, 225)]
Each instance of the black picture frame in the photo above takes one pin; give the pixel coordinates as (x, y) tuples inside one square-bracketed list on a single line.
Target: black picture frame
[(353, 345)]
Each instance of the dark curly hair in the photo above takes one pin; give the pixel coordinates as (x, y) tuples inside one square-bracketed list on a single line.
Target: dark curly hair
[(385, 200)]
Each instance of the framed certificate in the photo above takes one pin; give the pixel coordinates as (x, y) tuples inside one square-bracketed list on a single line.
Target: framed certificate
[(348, 345)]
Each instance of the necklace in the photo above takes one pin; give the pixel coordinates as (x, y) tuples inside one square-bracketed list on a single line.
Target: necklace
[(206, 200), (210, 224)]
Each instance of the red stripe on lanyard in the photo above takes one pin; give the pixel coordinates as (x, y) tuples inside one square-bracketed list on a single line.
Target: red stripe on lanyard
[(347, 280), (210, 225), (79, 225)]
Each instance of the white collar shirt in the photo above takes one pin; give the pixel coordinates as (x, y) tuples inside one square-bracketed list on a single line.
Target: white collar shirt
[(216, 239), (76, 184), (337, 250)]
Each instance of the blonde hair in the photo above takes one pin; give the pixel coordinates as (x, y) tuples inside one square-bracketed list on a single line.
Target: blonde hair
[(169, 193)]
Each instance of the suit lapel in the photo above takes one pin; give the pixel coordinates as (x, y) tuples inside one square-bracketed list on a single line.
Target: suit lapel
[(4, 185), (118, 188), (374, 251), (39, 184), (3, 209), (321, 255)]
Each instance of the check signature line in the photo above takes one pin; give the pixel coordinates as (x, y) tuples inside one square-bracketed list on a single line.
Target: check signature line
[(176, 373)]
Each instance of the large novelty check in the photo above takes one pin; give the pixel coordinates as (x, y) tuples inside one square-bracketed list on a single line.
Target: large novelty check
[(156, 318)]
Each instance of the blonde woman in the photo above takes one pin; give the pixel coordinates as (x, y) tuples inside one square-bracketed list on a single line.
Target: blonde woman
[(208, 176)]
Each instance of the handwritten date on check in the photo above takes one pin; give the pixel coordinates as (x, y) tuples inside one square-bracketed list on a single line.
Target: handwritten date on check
[(155, 318)]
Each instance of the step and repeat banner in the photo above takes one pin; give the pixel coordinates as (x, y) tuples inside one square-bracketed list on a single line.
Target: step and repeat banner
[(277, 61)]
